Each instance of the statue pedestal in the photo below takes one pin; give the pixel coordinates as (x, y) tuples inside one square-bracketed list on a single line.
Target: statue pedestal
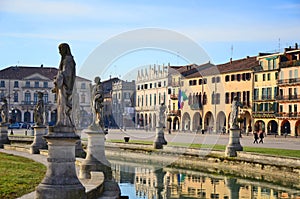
[(39, 142), (61, 180), (79, 152), (234, 143), (95, 159), (3, 135), (159, 138)]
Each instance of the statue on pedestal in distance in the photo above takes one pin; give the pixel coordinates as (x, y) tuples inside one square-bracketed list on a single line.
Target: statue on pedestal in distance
[(39, 110), (97, 98)]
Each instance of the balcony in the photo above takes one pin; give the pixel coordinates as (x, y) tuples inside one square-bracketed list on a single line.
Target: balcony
[(288, 97), (263, 114), (289, 63), (290, 115), (174, 97), (288, 82), (263, 98)]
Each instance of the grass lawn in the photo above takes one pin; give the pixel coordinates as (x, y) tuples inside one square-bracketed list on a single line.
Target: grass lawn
[(267, 151), (19, 175)]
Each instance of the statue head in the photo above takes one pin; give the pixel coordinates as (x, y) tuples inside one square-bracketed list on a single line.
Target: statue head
[(97, 80), (64, 49)]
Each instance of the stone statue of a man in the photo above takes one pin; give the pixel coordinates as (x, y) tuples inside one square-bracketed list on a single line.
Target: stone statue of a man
[(39, 110), (64, 83), (235, 111), (97, 98), (4, 111)]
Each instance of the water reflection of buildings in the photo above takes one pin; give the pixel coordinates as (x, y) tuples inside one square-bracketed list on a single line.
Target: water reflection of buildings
[(159, 183)]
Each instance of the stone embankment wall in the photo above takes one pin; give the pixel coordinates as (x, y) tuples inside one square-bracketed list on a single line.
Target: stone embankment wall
[(281, 170)]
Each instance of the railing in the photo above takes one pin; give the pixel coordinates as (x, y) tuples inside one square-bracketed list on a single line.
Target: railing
[(288, 81), (290, 63), (263, 97), (288, 97), (33, 102), (288, 115)]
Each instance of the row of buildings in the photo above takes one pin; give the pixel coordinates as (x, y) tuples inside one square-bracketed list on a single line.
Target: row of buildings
[(198, 97)]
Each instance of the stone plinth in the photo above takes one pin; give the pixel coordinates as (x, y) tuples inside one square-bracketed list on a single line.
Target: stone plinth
[(159, 138), (3, 135), (61, 180), (38, 142), (95, 159), (79, 152), (234, 143)]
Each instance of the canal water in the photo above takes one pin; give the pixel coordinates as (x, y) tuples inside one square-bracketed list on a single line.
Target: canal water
[(140, 181)]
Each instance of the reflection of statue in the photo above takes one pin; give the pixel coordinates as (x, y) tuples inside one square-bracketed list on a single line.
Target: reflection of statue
[(64, 83), (97, 98), (235, 111), (39, 110), (4, 111), (162, 116)]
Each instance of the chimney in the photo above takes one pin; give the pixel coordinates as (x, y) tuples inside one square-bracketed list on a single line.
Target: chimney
[(296, 46), (231, 60), (42, 65)]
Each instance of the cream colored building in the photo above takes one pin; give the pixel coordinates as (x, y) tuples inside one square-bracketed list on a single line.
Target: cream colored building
[(151, 92), (20, 85)]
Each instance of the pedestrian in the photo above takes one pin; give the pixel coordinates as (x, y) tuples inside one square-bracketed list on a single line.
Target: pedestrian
[(255, 134), (261, 136)]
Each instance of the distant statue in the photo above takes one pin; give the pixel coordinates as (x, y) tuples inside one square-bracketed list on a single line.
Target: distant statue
[(162, 115), (39, 110), (4, 111), (97, 98), (64, 83), (235, 111)]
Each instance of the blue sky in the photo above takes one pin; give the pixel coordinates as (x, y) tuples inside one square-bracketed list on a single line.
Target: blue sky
[(31, 30)]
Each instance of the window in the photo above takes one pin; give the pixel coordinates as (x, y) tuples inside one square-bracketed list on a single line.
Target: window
[(238, 77), (164, 97), (146, 100), (45, 84), (27, 84), (217, 79), (82, 98), (227, 78), (213, 98), (35, 98), (276, 75), (227, 99), (16, 97), (269, 64), (217, 98), (16, 84), (204, 81), (213, 80), (27, 97), (290, 74), (269, 76), (159, 84), (150, 85), (146, 86), (138, 101), (274, 64), (194, 82), (159, 98), (142, 100), (296, 73), (232, 77), (83, 85), (255, 78), (165, 84), (295, 108), (154, 100), (200, 82), (264, 77), (248, 76), (256, 93), (46, 98), (2, 83), (36, 84), (190, 82), (138, 87), (150, 100)]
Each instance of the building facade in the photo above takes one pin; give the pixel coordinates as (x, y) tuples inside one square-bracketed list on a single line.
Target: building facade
[(20, 86), (123, 101)]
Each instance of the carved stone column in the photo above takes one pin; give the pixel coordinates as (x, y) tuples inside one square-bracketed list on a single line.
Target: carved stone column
[(3, 135), (234, 143), (61, 180), (39, 142)]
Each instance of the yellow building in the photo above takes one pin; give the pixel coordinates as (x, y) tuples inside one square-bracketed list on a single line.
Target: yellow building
[(237, 79), (265, 92)]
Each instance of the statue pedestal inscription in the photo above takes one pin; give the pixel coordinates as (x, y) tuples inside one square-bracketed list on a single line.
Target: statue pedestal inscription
[(3, 135), (39, 142), (234, 143), (160, 138), (61, 180)]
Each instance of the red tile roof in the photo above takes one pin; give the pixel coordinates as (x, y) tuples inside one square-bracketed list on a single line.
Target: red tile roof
[(238, 65)]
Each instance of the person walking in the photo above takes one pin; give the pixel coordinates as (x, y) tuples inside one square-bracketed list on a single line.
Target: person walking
[(255, 134), (261, 136)]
